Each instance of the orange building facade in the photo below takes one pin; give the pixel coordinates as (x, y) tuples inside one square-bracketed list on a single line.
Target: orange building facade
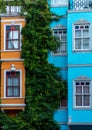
[(12, 72)]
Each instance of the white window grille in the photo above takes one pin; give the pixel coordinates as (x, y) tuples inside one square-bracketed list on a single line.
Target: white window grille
[(81, 37), (61, 35)]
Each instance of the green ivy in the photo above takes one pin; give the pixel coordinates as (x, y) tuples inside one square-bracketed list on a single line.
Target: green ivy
[(43, 84)]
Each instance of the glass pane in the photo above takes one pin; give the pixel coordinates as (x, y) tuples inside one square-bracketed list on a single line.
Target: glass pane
[(57, 36), (86, 89), (9, 81), (63, 47), (78, 89), (76, 27), (16, 91), (15, 44), (77, 43), (63, 39), (78, 100), (86, 100), (9, 35), (77, 33), (85, 33), (9, 91), (15, 81), (58, 50), (77, 83), (86, 43), (15, 34), (10, 45)]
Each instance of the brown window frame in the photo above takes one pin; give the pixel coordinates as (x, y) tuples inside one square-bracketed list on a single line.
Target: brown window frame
[(12, 75), (11, 29)]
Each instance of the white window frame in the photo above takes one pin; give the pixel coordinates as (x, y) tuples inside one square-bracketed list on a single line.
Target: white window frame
[(12, 23), (5, 71), (81, 79), (61, 51), (59, 2), (81, 37)]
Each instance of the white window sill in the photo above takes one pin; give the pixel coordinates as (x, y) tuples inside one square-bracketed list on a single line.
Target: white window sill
[(82, 107), (12, 98), (10, 50), (59, 5), (82, 50)]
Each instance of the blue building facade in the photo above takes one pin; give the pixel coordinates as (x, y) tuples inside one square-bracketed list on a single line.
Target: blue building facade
[(73, 56)]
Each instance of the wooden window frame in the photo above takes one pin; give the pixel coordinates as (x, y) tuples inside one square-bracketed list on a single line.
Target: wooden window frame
[(11, 74), (12, 29)]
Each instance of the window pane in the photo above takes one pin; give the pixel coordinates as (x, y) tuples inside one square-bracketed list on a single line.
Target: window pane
[(9, 91), (86, 89), (63, 39), (78, 100), (15, 44), (10, 45), (62, 47), (9, 81), (16, 91), (86, 100), (78, 89), (77, 43), (86, 43), (77, 33), (85, 33), (9, 35), (58, 50), (15, 81), (15, 34)]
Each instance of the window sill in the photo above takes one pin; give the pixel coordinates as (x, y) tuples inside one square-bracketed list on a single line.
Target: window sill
[(82, 51), (83, 108), (12, 98), (59, 54), (10, 50), (66, 5)]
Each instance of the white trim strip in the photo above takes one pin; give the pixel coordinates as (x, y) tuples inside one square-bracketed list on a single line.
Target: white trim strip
[(13, 20), (79, 65), (78, 123), (12, 105)]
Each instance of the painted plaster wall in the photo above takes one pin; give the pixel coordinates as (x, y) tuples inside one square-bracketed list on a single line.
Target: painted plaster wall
[(77, 114), (60, 61), (83, 57)]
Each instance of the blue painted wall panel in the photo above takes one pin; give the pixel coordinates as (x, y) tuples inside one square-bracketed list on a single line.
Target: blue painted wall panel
[(78, 57), (78, 115), (61, 115)]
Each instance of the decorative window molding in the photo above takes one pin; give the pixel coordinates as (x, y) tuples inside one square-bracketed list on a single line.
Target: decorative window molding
[(60, 33), (81, 36), (82, 92), (12, 33), (59, 3)]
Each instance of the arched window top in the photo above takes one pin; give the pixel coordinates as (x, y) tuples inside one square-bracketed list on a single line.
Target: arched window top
[(82, 21), (82, 78), (59, 26)]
